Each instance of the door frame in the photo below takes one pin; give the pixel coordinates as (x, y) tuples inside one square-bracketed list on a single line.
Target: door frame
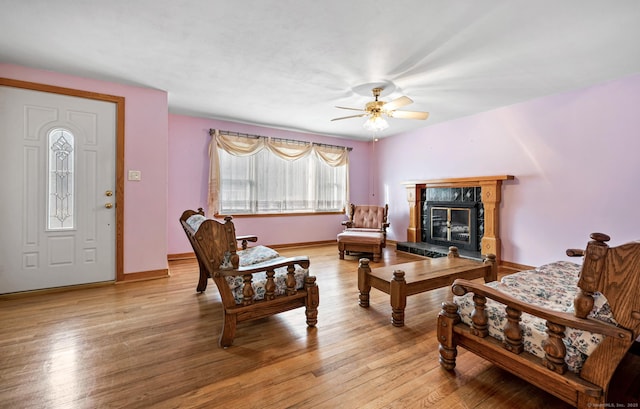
[(119, 101)]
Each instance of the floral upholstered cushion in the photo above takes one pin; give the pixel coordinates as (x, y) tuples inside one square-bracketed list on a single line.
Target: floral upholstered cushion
[(195, 221), (255, 255), (551, 286)]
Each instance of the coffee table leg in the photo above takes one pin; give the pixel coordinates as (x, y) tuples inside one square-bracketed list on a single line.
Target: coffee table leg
[(398, 290), (363, 282), (491, 275)]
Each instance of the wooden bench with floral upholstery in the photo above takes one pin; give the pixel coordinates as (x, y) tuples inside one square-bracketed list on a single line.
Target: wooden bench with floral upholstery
[(564, 327)]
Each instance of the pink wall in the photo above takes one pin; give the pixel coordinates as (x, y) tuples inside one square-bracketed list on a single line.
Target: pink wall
[(146, 134), (575, 157), (188, 171)]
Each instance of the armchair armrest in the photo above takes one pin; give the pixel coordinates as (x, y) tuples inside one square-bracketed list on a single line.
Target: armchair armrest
[(461, 287), (347, 223), (245, 239), (270, 265), (575, 252)]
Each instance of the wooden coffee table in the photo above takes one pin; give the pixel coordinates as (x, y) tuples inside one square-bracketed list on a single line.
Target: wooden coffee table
[(403, 280)]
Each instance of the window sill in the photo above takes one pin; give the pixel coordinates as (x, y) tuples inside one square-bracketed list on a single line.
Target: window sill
[(240, 215)]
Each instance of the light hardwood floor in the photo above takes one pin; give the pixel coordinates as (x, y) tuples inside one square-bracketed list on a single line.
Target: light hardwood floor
[(154, 344)]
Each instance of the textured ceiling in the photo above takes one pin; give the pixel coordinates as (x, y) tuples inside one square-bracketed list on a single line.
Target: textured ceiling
[(288, 63)]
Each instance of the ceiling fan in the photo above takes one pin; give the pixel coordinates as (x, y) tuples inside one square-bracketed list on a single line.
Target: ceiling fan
[(376, 109)]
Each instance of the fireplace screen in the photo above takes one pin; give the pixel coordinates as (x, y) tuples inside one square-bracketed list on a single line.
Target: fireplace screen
[(451, 224)]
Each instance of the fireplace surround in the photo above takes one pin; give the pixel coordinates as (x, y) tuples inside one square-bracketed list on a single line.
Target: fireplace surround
[(489, 188)]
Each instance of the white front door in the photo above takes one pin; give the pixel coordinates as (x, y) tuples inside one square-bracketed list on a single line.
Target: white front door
[(57, 183)]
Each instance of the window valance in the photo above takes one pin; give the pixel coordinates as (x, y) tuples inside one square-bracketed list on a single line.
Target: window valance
[(287, 149)]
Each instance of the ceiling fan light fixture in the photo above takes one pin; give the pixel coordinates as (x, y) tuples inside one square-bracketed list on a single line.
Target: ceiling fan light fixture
[(375, 123), (376, 109)]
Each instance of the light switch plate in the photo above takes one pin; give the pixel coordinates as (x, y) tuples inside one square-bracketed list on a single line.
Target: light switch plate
[(135, 175)]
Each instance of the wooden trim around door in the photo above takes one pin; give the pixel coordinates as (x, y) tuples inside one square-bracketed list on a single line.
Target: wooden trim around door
[(119, 101)]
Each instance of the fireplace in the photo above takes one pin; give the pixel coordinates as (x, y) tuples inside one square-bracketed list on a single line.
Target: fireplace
[(482, 193), (451, 224)]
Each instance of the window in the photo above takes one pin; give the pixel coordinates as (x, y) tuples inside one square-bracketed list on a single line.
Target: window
[(281, 178), (60, 209)]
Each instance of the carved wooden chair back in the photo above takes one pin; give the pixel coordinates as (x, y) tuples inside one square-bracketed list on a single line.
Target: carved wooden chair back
[(211, 253), (615, 272)]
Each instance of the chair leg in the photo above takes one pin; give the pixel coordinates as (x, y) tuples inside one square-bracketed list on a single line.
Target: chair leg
[(447, 318), (202, 280), (229, 323)]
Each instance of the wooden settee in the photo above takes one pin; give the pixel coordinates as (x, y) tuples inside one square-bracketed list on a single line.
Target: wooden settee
[(600, 327), (253, 282)]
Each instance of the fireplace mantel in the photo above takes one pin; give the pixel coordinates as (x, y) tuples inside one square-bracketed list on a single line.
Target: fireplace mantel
[(491, 196)]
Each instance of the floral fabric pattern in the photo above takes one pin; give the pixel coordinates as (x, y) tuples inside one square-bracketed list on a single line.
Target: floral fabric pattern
[(195, 221), (551, 286), (255, 255)]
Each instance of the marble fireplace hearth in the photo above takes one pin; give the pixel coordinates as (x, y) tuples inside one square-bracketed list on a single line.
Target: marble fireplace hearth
[(433, 251)]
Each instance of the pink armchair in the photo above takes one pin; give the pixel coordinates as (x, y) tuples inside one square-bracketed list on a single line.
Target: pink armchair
[(365, 231)]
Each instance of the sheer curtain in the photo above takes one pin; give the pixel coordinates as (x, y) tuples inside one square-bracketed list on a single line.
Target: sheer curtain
[(262, 183)]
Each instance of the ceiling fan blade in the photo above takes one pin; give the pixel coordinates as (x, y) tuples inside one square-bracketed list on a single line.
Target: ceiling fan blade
[(353, 109), (347, 117), (397, 103), (408, 114)]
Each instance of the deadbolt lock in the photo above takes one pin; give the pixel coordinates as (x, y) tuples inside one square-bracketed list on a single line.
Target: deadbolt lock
[(108, 193)]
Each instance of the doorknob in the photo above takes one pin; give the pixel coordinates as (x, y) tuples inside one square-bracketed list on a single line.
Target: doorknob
[(108, 205)]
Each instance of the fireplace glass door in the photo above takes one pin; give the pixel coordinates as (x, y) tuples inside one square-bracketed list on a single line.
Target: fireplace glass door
[(451, 224)]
